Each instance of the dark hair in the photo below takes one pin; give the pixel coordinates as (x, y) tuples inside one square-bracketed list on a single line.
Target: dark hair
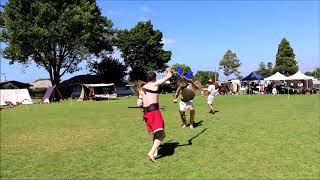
[(151, 76)]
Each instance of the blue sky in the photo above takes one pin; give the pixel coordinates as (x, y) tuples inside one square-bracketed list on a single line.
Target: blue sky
[(198, 33)]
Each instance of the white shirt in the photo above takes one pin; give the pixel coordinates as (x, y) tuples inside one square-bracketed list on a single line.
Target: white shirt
[(211, 89)]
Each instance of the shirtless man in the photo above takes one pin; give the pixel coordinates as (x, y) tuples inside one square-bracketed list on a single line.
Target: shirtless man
[(152, 115), (186, 90)]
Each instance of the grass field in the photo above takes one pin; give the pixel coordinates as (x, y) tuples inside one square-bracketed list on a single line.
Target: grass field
[(264, 137)]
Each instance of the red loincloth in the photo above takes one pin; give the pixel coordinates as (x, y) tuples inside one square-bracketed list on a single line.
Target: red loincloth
[(154, 121)]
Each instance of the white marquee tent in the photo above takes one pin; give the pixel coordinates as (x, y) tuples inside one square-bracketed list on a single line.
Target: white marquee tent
[(106, 96), (276, 77), (299, 76)]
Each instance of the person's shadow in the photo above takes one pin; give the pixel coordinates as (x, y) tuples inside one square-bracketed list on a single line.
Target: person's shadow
[(168, 148), (196, 124)]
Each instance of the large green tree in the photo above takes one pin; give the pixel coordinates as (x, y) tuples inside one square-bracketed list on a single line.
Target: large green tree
[(56, 35), (204, 76), (185, 68), (141, 49), (285, 59), (109, 68), (230, 64)]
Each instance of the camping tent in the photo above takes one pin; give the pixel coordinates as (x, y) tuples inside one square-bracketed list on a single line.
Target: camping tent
[(252, 76), (276, 77), (52, 94), (15, 96), (100, 95)]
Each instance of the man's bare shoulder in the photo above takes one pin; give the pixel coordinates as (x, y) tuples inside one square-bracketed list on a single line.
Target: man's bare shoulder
[(151, 86)]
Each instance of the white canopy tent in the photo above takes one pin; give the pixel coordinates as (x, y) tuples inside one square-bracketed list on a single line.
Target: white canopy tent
[(98, 85), (299, 76), (276, 77), (105, 96)]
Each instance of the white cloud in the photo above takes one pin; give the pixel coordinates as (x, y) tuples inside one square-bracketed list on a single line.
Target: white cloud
[(168, 41), (145, 9), (111, 12), (144, 19)]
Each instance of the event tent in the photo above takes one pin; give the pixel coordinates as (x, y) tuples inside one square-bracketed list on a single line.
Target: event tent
[(299, 76), (252, 77), (276, 77), (15, 96), (84, 95)]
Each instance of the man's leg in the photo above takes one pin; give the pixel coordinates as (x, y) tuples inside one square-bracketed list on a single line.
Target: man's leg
[(182, 111), (192, 113), (158, 137), (183, 118), (211, 108)]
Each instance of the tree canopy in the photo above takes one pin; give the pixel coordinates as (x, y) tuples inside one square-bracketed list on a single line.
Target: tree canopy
[(230, 64), (56, 35), (315, 73), (264, 70), (204, 76), (109, 68), (185, 68), (285, 59), (141, 49)]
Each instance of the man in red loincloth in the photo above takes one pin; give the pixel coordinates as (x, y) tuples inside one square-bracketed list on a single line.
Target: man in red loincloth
[(152, 115)]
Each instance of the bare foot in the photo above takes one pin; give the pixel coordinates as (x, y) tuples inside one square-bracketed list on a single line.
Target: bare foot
[(191, 126), (151, 157), (183, 126)]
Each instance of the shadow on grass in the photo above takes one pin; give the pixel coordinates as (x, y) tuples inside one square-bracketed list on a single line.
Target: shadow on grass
[(168, 148), (196, 124)]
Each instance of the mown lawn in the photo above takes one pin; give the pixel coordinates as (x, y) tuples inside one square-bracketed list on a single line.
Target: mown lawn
[(264, 137)]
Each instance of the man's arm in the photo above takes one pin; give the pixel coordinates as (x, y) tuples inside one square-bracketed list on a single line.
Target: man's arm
[(166, 78), (192, 82), (177, 92)]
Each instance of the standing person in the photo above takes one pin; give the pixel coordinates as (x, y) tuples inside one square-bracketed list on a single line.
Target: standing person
[(152, 115), (211, 91), (186, 90), (140, 84)]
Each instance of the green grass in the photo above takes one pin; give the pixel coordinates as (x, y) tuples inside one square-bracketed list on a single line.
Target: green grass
[(264, 137)]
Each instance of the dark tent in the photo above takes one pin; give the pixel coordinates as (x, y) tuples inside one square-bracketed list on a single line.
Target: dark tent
[(253, 76), (52, 94)]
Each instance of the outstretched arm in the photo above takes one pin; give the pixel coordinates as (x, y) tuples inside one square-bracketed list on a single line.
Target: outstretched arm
[(166, 78)]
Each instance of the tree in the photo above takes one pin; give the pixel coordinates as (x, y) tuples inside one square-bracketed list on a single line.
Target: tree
[(109, 68), (230, 64), (204, 76), (141, 49), (56, 35), (285, 59), (270, 66), (185, 68), (315, 73), (264, 70)]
